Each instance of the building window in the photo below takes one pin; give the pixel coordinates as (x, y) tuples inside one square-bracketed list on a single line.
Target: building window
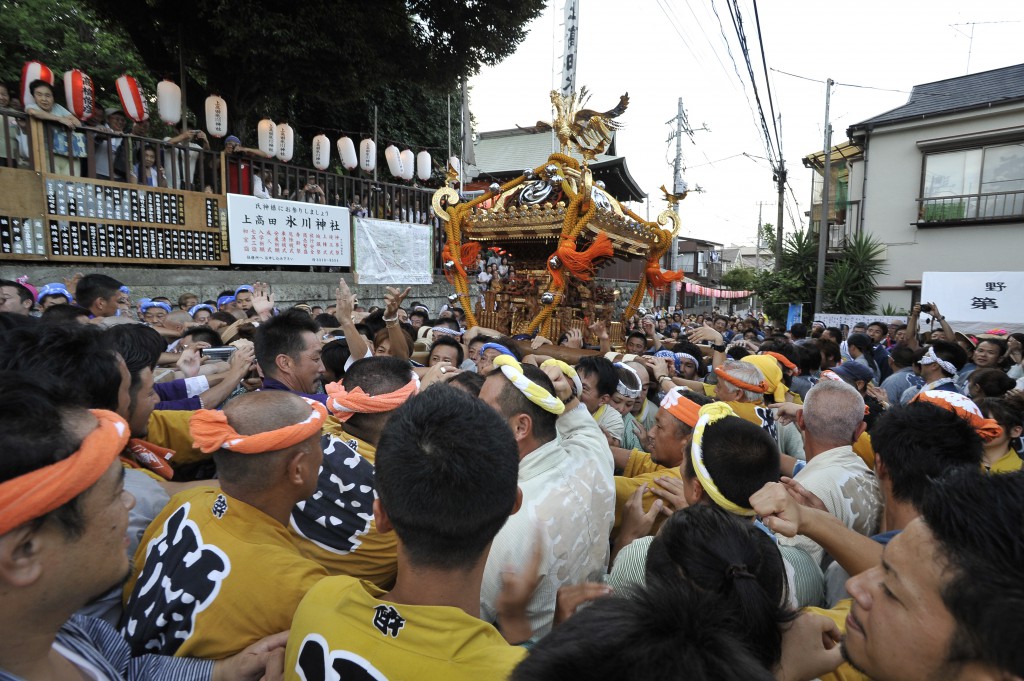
[(688, 262), (973, 185)]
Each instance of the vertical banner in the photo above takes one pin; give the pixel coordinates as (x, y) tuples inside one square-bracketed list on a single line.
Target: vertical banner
[(795, 315), (572, 24)]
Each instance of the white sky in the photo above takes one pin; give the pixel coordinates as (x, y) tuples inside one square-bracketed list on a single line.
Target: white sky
[(660, 50)]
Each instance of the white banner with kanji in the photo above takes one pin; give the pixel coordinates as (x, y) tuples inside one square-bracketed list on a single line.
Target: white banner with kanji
[(277, 232), (977, 302)]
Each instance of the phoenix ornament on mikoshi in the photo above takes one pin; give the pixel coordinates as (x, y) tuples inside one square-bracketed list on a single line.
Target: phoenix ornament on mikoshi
[(587, 130)]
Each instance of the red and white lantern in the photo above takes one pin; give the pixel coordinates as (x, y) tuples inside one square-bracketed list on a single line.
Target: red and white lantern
[(423, 168), (168, 102), (31, 72), (347, 153), (132, 101), (368, 155), (216, 116), (408, 164), (285, 142), (266, 136), (79, 94), (321, 152), (394, 158)]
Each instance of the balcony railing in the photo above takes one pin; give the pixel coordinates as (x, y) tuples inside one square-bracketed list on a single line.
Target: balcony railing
[(965, 208)]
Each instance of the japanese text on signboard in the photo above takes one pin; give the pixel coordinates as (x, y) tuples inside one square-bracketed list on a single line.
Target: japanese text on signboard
[(276, 232)]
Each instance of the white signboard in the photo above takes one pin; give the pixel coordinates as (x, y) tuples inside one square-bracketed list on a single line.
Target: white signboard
[(976, 302), (851, 320), (392, 253), (276, 232)]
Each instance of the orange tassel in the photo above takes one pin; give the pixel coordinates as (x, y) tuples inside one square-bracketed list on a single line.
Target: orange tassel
[(468, 254), (658, 278), (580, 264)]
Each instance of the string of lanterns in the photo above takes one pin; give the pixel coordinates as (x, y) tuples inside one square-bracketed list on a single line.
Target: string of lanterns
[(273, 139)]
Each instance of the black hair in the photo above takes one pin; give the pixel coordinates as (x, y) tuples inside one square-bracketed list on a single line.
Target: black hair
[(809, 354), (720, 553), (880, 324), (334, 356), (950, 352), (28, 399), (451, 323), (603, 369), (63, 314), (510, 345), (229, 292), (13, 320), (450, 342), (740, 457), (37, 83), (1007, 411), (798, 331), (512, 401), (830, 351), (902, 356), (446, 496), (737, 352), (94, 286), (421, 314), (223, 316), (863, 342), (835, 334), (992, 382), (282, 335), (23, 292), (661, 630), (140, 346), (376, 375), (326, 321), (470, 381), (690, 348), (977, 521), (77, 355), (637, 334), (204, 334), (919, 442)]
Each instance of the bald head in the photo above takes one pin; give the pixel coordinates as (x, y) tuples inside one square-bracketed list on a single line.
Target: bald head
[(176, 321), (833, 411), (251, 414)]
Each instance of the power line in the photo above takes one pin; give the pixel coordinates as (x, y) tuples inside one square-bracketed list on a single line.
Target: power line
[(767, 85), (737, 22), (863, 87)]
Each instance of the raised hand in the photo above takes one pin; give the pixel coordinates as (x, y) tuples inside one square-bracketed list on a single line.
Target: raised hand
[(262, 299), (393, 300)]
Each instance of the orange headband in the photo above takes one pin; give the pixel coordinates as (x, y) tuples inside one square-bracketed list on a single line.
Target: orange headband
[(762, 387), (344, 403), (784, 361), (681, 407), (46, 489), (964, 407), (211, 431)]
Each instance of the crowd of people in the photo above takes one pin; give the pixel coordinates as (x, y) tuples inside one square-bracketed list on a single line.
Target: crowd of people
[(224, 489)]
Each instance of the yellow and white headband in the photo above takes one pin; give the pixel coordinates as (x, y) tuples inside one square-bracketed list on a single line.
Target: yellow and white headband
[(513, 371), (569, 371), (709, 414)]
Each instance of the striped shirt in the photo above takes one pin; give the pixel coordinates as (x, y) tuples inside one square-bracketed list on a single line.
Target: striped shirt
[(99, 650)]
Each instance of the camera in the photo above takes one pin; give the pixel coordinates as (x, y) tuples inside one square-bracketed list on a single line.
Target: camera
[(218, 354), (926, 307)]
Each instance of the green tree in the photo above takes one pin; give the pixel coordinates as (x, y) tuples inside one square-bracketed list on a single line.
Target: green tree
[(739, 278), (850, 280), (768, 237), (777, 290)]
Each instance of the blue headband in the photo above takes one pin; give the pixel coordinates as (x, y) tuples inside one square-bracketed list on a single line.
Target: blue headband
[(225, 300), (496, 346), (149, 304), (125, 290), (232, 138), (201, 306), (53, 290), (245, 287)]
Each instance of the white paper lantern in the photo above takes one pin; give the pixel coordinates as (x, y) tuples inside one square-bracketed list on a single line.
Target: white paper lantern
[(285, 142), (79, 94), (408, 163), (368, 155), (266, 136), (132, 100), (347, 153), (216, 116), (168, 101), (31, 72), (321, 152), (394, 158), (423, 166), (455, 164)]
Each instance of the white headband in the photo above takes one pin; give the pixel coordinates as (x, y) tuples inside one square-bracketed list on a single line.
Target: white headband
[(625, 390), (446, 331), (931, 358)]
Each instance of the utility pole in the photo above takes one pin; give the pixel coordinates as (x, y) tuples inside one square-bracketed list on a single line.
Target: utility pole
[(757, 244), (819, 292), (678, 187), (780, 179)]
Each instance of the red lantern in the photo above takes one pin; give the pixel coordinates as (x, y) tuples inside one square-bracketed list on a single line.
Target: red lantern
[(30, 72), (132, 101), (79, 94)]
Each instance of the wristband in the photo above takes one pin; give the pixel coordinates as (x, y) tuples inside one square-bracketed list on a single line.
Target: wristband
[(718, 348)]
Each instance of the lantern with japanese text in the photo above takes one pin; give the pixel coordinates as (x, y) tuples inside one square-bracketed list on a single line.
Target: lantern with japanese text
[(408, 164), (368, 155), (132, 101), (285, 142), (266, 136), (31, 72), (394, 158), (347, 153), (423, 166), (216, 116), (79, 94), (321, 152), (168, 101)]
